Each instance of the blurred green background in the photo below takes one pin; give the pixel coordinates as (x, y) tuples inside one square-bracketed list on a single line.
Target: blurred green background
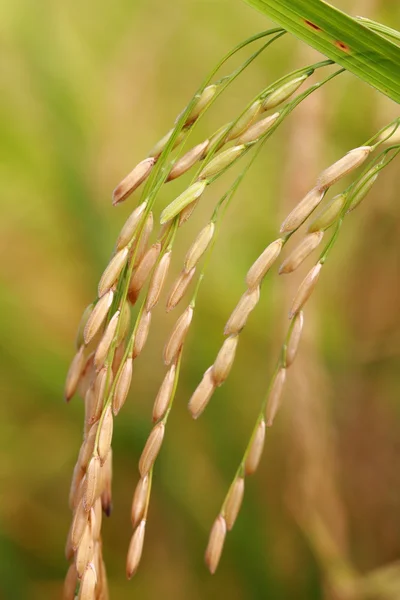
[(86, 90)]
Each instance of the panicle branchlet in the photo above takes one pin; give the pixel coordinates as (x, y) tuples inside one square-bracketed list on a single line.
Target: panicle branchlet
[(294, 339), (130, 227), (345, 165), (151, 449), (264, 262), (202, 394), (133, 180), (305, 289), (241, 312), (274, 397), (178, 335), (186, 162), (215, 544), (303, 210), (254, 453), (300, 252), (179, 288)]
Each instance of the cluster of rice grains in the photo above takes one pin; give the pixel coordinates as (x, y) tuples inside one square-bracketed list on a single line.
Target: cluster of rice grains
[(107, 343)]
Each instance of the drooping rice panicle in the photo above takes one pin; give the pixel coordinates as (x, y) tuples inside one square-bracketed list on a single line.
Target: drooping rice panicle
[(102, 368), (271, 402), (103, 433)]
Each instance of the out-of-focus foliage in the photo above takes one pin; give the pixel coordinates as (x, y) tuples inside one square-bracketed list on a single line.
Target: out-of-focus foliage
[(86, 89)]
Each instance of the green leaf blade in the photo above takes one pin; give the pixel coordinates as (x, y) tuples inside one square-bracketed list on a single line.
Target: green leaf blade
[(347, 41)]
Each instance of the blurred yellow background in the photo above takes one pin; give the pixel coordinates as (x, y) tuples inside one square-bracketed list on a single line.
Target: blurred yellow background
[(87, 89)]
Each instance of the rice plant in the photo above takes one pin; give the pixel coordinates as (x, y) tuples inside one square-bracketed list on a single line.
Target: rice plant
[(114, 328)]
